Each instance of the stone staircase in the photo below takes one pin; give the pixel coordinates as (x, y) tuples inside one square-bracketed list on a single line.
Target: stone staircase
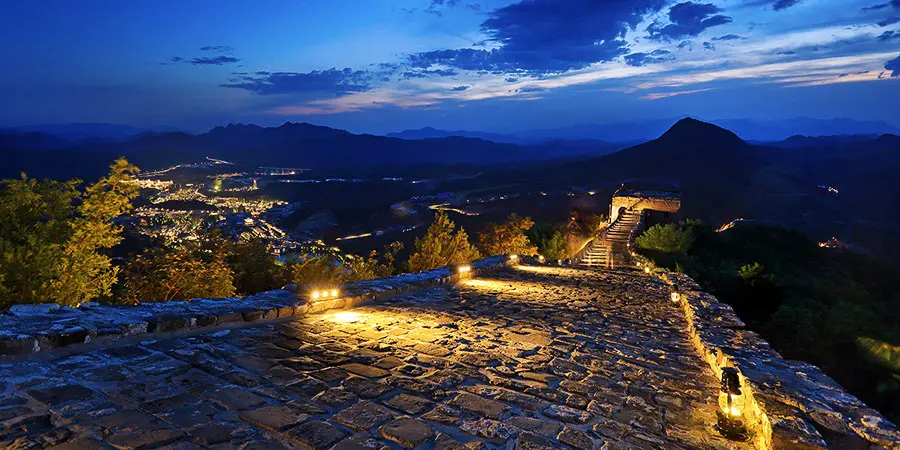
[(610, 249)]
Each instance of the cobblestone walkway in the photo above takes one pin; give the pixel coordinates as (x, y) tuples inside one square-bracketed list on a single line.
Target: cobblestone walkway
[(532, 357)]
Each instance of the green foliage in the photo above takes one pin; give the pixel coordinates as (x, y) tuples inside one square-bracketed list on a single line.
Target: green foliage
[(184, 272), (836, 309), (254, 266), (669, 238), (550, 240), (52, 236), (594, 223), (442, 245), (507, 238), (326, 269)]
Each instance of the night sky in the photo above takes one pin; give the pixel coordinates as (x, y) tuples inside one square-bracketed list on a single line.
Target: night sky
[(385, 65)]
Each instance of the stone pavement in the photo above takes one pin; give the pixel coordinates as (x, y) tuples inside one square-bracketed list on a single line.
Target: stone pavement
[(529, 357)]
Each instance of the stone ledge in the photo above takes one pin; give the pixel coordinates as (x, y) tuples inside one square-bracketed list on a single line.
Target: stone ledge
[(33, 328), (792, 403)]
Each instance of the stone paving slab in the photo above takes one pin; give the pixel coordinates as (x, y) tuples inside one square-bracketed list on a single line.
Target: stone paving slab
[(528, 357)]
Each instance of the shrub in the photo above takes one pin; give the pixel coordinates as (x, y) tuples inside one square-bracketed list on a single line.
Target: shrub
[(181, 273), (52, 236), (668, 238), (255, 268), (442, 245), (507, 238)]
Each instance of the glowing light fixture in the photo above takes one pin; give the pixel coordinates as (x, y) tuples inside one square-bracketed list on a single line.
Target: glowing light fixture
[(317, 294), (541, 258), (464, 268), (731, 406), (675, 294), (514, 257), (647, 269)]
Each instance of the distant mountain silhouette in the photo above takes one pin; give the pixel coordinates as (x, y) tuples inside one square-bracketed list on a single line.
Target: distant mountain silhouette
[(434, 133), (291, 145), (750, 129), (81, 131)]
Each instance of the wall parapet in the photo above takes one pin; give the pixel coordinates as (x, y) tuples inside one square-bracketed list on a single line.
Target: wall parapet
[(28, 329), (793, 404)]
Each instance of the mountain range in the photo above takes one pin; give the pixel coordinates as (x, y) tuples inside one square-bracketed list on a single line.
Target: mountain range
[(639, 131)]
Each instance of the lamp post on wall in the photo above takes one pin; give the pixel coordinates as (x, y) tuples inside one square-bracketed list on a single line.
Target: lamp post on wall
[(732, 403)]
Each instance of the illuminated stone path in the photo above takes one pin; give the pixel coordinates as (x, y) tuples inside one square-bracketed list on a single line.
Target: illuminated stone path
[(528, 358)]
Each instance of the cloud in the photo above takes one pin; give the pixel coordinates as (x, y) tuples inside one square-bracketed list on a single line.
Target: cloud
[(688, 44), (894, 66), (461, 88), (659, 95), (410, 74), (333, 81), (213, 61), (217, 49), (728, 37), (641, 59), (888, 35), (709, 46), (688, 19), (777, 5), (888, 21), (893, 3), (539, 36)]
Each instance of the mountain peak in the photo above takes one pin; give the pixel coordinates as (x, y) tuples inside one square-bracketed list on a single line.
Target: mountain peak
[(690, 130)]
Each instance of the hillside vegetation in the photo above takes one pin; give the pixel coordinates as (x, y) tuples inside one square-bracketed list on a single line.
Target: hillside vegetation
[(837, 309)]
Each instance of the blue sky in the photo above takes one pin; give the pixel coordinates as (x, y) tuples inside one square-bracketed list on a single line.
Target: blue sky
[(378, 66)]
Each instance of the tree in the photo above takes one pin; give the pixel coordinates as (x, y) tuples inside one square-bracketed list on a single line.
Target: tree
[(181, 273), (52, 236), (254, 266), (668, 238), (507, 238), (442, 245)]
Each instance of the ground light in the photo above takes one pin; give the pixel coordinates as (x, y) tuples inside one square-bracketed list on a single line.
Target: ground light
[(514, 257), (647, 269), (675, 294), (731, 406), (465, 268), (318, 294)]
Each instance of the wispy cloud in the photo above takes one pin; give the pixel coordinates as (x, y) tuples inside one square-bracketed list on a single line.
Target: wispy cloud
[(659, 95)]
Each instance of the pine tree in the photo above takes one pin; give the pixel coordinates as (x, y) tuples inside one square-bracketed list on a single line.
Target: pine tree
[(442, 245), (52, 235)]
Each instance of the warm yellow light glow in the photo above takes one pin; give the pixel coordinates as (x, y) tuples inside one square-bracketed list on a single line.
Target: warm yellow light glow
[(675, 297), (541, 258), (647, 269), (464, 269), (347, 317), (734, 407), (334, 292), (513, 257), (315, 294)]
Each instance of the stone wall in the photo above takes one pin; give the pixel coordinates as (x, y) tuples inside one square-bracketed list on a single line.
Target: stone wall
[(792, 404), (34, 328), (671, 205)]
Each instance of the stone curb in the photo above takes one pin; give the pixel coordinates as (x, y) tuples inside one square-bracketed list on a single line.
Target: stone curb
[(791, 403), (34, 328)]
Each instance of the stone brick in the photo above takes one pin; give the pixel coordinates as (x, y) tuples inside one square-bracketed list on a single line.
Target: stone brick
[(576, 438), (364, 370), (479, 405), (316, 435), (408, 432), (61, 394), (363, 416), (144, 438), (274, 418), (409, 404)]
